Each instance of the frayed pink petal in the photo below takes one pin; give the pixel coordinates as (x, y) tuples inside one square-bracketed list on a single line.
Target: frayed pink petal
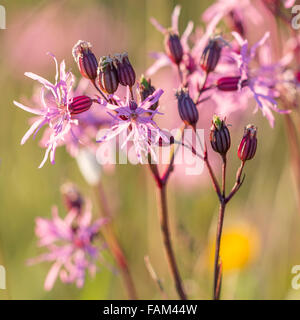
[(62, 69), (152, 99), (113, 133), (187, 32), (158, 26), (28, 109), (199, 46), (238, 38), (175, 17), (52, 276), (40, 79), (163, 61), (45, 157), (56, 66), (259, 43), (31, 130)]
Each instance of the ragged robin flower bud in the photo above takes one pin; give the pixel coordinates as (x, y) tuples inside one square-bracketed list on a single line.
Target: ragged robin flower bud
[(107, 75), (145, 90), (247, 147), (219, 136), (71, 196), (211, 54), (126, 73), (173, 47), (80, 104), (85, 59), (231, 83), (186, 107)]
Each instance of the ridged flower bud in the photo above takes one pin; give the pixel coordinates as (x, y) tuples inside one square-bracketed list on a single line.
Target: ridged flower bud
[(126, 73), (132, 105), (186, 107), (211, 54), (85, 59), (173, 47), (71, 196), (219, 136), (230, 83), (248, 145), (80, 104), (107, 75), (146, 89)]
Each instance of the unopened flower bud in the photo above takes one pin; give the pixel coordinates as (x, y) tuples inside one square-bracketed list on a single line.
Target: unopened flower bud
[(132, 105), (186, 107), (211, 55), (107, 75), (219, 136), (80, 104), (231, 83), (71, 196), (85, 59), (146, 90), (173, 47), (247, 147), (126, 73)]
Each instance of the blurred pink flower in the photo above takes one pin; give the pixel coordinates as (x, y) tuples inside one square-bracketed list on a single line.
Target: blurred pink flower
[(69, 242), (258, 82), (244, 9)]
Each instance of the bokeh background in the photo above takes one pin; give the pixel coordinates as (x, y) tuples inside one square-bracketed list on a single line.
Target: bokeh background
[(261, 235)]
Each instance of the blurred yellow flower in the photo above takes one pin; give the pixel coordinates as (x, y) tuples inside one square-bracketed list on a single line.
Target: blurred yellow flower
[(240, 245)]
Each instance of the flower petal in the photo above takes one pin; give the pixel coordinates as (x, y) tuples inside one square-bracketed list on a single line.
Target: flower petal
[(52, 276), (28, 109), (31, 130)]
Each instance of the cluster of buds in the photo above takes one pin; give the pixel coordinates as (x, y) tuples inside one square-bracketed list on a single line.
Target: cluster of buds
[(186, 107), (107, 75), (220, 136), (231, 83), (85, 59), (173, 47), (146, 90), (220, 139), (212, 53), (109, 72), (80, 104), (248, 145)]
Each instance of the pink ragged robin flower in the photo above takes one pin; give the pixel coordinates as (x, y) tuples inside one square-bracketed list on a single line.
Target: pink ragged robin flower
[(57, 108), (136, 122), (256, 79), (70, 245)]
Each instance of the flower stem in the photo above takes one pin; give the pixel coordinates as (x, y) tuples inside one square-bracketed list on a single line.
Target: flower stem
[(115, 246), (217, 272), (164, 223), (224, 175), (100, 91)]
